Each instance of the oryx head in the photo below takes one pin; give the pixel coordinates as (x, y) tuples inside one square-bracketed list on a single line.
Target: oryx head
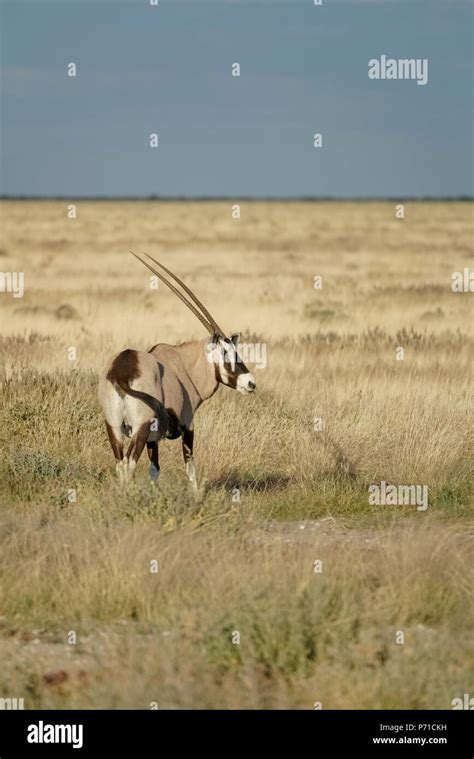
[(221, 351), (230, 369)]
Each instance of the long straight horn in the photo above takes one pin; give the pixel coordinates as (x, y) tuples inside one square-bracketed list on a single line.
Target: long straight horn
[(197, 313), (191, 295)]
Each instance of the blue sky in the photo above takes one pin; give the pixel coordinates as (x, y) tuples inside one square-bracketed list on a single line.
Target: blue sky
[(167, 69)]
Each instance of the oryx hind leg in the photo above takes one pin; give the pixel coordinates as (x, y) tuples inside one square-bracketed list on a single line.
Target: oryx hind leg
[(113, 408), (139, 439), (147, 428), (115, 439)]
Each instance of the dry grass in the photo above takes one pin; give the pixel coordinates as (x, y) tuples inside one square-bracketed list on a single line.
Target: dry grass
[(247, 566)]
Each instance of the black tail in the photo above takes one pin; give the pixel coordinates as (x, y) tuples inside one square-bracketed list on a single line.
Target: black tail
[(156, 406)]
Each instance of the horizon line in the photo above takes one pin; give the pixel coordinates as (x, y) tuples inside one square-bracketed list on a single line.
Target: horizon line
[(248, 198)]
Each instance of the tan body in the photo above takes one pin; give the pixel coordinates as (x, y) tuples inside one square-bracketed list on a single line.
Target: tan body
[(187, 378)]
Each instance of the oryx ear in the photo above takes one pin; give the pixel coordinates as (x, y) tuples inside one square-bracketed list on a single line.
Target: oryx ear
[(235, 338)]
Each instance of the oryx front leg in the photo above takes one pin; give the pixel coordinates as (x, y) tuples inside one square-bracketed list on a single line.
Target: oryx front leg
[(188, 438)]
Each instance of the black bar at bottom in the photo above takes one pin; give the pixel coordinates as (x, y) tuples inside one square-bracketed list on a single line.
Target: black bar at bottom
[(153, 733)]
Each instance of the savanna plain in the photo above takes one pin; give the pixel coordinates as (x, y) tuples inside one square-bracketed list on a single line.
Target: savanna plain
[(279, 585)]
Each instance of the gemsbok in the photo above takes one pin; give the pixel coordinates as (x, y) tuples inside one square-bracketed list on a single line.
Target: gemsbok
[(155, 395)]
